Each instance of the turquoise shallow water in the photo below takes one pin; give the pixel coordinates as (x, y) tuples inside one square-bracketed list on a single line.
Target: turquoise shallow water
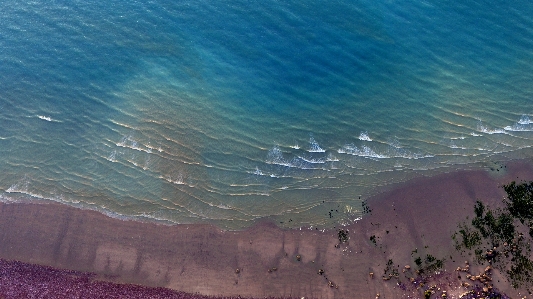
[(230, 111)]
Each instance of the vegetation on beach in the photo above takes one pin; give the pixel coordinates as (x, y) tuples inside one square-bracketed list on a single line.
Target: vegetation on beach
[(390, 270), (499, 237), (343, 236), (469, 238), (366, 208), (502, 237), (520, 203), (373, 240), (429, 265)]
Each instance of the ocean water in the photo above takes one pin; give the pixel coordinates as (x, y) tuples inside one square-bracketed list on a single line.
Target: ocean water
[(227, 112)]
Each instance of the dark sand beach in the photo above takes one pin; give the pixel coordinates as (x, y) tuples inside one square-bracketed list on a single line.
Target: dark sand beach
[(412, 219)]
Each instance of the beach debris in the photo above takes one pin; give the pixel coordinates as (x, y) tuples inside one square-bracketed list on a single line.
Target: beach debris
[(465, 269), (237, 271), (298, 257), (320, 271), (331, 284), (371, 274), (377, 295)]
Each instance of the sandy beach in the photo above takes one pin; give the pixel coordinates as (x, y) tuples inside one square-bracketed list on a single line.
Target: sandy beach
[(412, 219)]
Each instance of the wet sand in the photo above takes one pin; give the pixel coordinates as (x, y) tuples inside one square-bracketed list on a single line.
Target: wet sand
[(263, 260)]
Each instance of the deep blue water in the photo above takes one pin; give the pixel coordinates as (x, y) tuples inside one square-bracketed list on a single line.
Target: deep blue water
[(229, 111)]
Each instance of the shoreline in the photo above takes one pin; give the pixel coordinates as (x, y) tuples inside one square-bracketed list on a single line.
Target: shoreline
[(263, 260)]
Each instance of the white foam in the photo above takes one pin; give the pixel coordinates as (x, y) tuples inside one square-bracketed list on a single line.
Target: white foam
[(314, 147), (275, 156), (19, 187), (47, 118), (129, 142), (364, 151), (147, 163), (112, 156), (303, 164), (224, 207), (258, 171), (519, 128), (524, 120), (482, 128), (364, 136), (59, 198), (523, 125), (7, 199), (141, 215), (395, 151), (178, 180), (457, 147), (332, 158), (368, 152), (313, 161)]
